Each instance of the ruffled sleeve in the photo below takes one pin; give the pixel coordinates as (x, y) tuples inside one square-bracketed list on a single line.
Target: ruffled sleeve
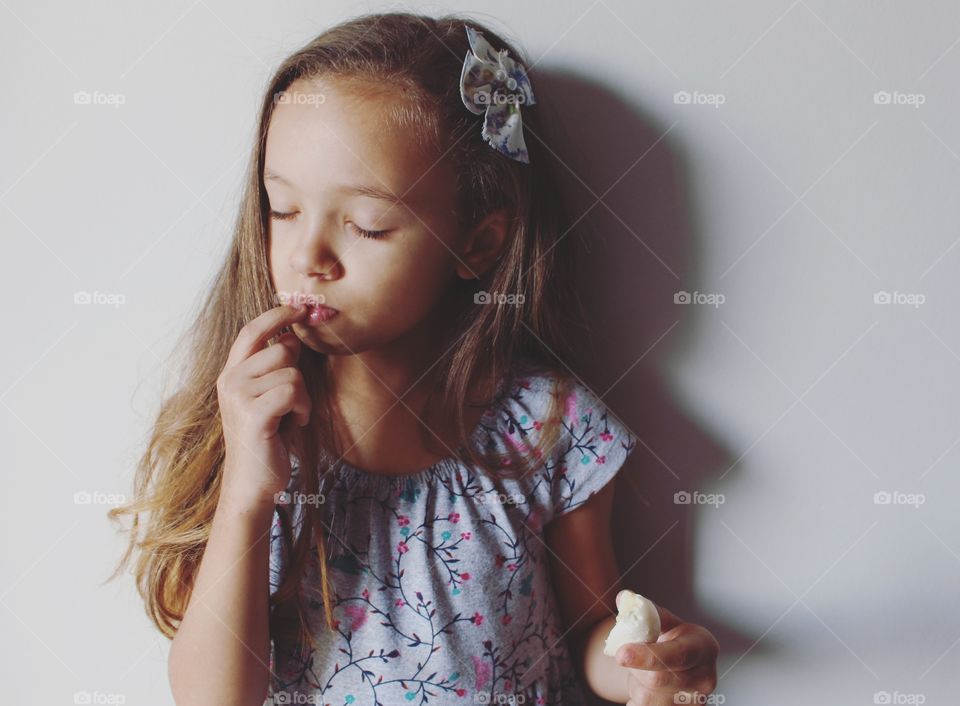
[(596, 447), (278, 551), (278, 558)]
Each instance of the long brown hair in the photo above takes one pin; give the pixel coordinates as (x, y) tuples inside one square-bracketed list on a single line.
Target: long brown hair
[(178, 477)]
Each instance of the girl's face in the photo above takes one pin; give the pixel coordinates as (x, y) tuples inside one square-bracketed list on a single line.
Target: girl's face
[(337, 233)]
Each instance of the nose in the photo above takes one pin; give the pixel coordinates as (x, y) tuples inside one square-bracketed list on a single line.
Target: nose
[(314, 257)]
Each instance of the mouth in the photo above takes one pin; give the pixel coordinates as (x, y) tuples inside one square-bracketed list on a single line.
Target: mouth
[(319, 314)]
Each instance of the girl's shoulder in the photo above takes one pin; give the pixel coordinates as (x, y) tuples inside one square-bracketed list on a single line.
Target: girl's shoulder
[(584, 443)]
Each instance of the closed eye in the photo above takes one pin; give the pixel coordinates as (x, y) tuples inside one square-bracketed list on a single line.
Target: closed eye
[(375, 234), (362, 232)]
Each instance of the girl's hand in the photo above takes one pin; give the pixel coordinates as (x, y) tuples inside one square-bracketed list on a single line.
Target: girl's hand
[(682, 661), (257, 387)]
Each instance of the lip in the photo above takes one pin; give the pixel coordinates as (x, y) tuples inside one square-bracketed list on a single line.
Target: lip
[(319, 314)]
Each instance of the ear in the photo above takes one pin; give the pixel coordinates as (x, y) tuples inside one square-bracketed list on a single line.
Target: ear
[(484, 244)]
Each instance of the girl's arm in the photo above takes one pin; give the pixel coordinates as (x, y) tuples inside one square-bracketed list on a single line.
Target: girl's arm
[(221, 652), (584, 569), (585, 578)]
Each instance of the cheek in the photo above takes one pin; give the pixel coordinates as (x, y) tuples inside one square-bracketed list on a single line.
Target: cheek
[(403, 288), (418, 274)]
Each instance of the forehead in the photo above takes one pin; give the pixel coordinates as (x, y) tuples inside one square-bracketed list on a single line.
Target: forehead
[(323, 136)]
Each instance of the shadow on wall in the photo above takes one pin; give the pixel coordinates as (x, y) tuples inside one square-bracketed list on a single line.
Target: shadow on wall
[(626, 172)]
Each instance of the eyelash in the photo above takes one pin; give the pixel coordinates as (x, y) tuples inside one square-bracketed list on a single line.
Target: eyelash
[(372, 234)]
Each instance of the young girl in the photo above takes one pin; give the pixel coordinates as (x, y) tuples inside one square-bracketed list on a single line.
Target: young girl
[(380, 483)]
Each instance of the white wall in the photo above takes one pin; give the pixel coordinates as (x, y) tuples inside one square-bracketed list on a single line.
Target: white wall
[(798, 398)]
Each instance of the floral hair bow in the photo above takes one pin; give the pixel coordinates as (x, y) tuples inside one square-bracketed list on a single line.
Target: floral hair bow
[(493, 83)]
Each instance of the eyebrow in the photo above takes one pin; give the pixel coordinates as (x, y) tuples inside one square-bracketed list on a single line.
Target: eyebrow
[(351, 189)]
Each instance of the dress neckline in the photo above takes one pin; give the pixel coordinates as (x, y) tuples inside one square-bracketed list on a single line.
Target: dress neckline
[(440, 469)]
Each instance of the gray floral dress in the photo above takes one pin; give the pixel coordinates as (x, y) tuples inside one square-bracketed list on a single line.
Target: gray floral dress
[(441, 579)]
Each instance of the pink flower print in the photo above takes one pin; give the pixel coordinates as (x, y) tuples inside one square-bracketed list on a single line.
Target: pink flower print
[(461, 692), (402, 547), (400, 602), (357, 614), (454, 517), (601, 459), (403, 520), (481, 669), (506, 619), (365, 594), (512, 567), (606, 436), (538, 425), (477, 619), (465, 535), (465, 576)]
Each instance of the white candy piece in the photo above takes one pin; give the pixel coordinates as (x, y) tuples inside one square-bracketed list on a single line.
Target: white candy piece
[(637, 621)]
